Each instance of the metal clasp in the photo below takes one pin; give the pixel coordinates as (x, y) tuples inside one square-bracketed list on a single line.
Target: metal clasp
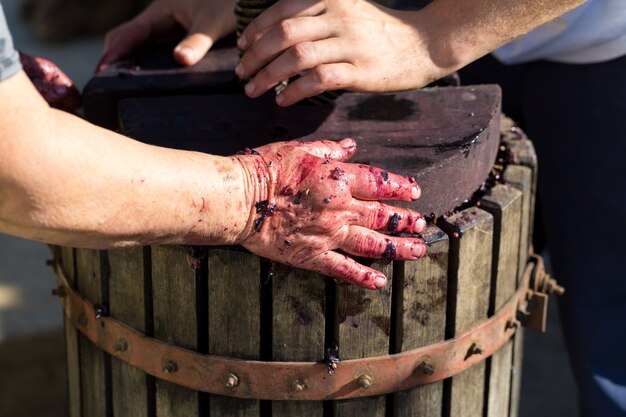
[(533, 310)]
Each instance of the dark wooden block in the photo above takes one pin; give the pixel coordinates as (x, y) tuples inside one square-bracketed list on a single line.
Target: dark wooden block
[(153, 72), (447, 138)]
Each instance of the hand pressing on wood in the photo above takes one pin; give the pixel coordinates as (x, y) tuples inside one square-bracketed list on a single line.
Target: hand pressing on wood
[(361, 46), (308, 203), (332, 44), (206, 21)]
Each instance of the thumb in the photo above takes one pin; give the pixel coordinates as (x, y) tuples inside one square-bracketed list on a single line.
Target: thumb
[(207, 27), (191, 49)]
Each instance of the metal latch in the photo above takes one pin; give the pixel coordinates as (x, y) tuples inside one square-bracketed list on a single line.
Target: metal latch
[(533, 311)]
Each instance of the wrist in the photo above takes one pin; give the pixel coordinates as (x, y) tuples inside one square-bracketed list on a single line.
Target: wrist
[(445, 41), (257, 190)]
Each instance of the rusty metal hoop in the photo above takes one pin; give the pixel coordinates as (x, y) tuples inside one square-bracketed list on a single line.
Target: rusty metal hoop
[(298, 380)]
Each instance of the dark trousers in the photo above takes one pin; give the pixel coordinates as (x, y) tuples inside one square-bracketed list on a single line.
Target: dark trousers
[(576, 117)]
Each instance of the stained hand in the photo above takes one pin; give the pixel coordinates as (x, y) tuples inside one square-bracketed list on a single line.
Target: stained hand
[(333, 44), (309, 204), (52, 83), (206, 21)]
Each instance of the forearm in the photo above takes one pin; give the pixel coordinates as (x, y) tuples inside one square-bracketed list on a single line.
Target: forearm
[(73, 183), (67, 182), (453, 33)]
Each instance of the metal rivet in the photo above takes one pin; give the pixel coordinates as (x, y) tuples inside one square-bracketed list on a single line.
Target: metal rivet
[(232, 381), (364, 381), (101, 310), (82, 320), (170, 367), (120, 346), (510, 324), (299, 385), (473, 350), (425, 368)]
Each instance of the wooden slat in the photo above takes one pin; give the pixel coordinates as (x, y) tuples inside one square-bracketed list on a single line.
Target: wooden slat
[(95, 365), (131, 388), (364, 318), (422, 319), (520, 177), (234, 319), (71, 340), (469, 279), (524, 154), (298, 325), (174, 288), (505, 205)]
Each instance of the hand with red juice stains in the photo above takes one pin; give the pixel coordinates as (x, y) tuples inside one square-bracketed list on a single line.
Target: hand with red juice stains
[(206, 21), (306, 209), (52, 83)]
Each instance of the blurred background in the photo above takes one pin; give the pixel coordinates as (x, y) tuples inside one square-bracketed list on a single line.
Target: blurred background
[(32, 356)]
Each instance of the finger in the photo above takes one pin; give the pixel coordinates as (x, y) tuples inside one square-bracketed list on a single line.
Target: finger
[(379, 216), (281, 10), (370, 244), (203, 34), (347, 270), (128, 36), (286, 34), (371, 183), (298, 58), (326, 77), (328, 149)]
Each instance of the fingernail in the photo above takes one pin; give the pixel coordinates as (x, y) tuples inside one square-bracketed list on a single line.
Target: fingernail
[(418, 249), (239, 70), (349, 143), (250, 87), (280, 99), (420, 225), (380, 282), (185, 52), (242, 42), (415, 192)]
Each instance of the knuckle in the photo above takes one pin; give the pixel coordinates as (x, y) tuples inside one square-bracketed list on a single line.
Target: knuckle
[(262, 78), (285, 29), (343, 270), (377, 218), (301, 54), (368, 245), (326, 77)]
